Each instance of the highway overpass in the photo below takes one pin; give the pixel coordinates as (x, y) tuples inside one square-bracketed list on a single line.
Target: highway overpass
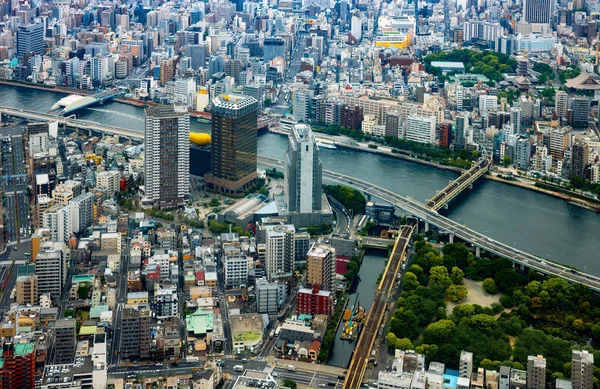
[(455, 229), (84, 125)]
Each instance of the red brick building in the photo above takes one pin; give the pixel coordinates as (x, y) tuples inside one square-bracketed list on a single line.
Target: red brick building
[(445, 134), (17, 366), (313, 301)]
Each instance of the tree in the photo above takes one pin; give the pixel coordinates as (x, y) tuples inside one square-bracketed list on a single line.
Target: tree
[(83, 291), (404, 344), (267, 102), (456, 275), (506, 160), (439, 332), (457, 293), (439, 275), (489, 285), (290, 384)]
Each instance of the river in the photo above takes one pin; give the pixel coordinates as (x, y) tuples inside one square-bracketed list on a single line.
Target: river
[(372, 266), (529, 221)]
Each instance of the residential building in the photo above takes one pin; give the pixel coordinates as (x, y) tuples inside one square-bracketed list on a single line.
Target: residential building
[(58, 220), (579, 158), (30, 39), (301, 102), (17, 366), (313, 301), (82, 211), (536, 372), (135, 333), (319, 266), (166, 303), (236, 271), (303, 171), (581, 111), (267, 297), (561, 103), (465, 366), (444, 134), (234, 144), (51, 267), (65, 340), (518, 379), (582, 369), (27, 289), (461, 130), (515, 119), (420, 129), (488, 103), (279, 254), (167, 155), (522, 152), (109, 180)]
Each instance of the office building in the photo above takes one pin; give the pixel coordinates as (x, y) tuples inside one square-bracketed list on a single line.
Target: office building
[(17, 367), (319, 266), (267, 297), (488, 103), (582, 369), (273, 47), (51, 267), (465, 366), (30, 39), (27, 289), (579, 158), (65, 340), (581, 111), (536, 372), (420, 129), (234, 143), (303, 171), (135, 334), (561, 103), (301, 103), (279, 253), (313, 301), (538, 11), (392, 123), (167, 156), (522, 152)]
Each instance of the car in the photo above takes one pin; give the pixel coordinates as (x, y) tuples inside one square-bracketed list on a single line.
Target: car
[(322, 385), (274, 374)]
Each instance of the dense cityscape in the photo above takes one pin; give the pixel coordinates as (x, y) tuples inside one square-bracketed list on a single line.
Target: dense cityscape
[(242, 194)]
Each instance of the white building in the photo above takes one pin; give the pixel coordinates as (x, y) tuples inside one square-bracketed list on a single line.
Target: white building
[(167, 174), (267, 296), (51, 267), (356, 26), (303, 171), (279, 252), (236, 271), (420, 129), (110, 180), (487, 103), (58, 220), (166, 303), (82, 211)]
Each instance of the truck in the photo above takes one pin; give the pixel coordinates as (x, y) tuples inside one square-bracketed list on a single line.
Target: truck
[(192, 359), (291, 368), (272, 334), (238, 368), (277, 331)]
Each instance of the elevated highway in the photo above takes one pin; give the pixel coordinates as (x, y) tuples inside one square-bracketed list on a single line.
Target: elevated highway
[(76, 124), (457, 186), (455, 229)]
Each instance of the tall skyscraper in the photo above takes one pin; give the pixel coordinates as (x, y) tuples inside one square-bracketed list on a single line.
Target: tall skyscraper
[(579, 158), (18, 366), (64, 341), (167, 156), (273, 47), (30, 39), (538, 11), (234, 121), (303, 171), (515, 119), (319, 266), (582, 370), (536, 372)]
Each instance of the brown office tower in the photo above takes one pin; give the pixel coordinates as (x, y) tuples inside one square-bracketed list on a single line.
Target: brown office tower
[(234, 121)]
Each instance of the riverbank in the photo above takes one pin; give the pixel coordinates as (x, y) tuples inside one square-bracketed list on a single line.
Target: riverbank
[(591, 206), (55, 89)]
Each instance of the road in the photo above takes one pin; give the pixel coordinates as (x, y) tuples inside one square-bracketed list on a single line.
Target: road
[(148, 371), (454, 228), (343, 222), (307, 377)]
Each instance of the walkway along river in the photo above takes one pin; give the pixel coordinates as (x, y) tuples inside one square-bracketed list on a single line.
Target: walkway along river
[(529, 221)]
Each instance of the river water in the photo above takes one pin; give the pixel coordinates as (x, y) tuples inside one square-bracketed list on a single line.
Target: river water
[(529, 221), (372, 266)]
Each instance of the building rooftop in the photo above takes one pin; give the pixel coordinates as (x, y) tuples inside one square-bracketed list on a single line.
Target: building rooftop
[(199, 322)]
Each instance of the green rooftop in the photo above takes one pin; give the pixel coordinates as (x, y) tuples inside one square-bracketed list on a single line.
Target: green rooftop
[(22, 349), (199, 322)]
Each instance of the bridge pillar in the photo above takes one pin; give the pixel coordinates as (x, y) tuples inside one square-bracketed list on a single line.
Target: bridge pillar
[(90, 134), (477, 252), (451, 237), (426, 226), (446, 206), (471, 186)]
